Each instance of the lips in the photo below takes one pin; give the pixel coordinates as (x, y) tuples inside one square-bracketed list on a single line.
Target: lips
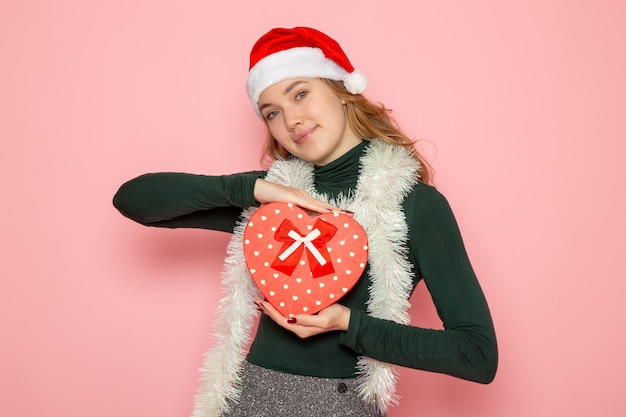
[(303, 135)]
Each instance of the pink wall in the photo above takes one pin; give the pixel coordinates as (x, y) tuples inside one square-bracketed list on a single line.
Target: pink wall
[(522, 105)]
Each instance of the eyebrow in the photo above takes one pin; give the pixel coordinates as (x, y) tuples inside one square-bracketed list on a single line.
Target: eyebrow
[(285, 92)]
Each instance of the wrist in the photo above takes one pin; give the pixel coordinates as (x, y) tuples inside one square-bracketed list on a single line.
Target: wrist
[(257, 191), (344, 321)]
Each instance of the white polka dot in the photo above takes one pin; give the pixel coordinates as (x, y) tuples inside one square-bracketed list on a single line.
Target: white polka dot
[(348, 272), (277, 211), (262, 282), (295, 298), (318, 302), (256, 253), (308, 291), (335, 278), (270, 246), (260, 235), (299, 215), (275, 275), (290, 205), (344, 289), (336, 213), (305, 308), (365, 247), (346, 225), (285, 286), (362, 265), (263, 218), (266, 264), (338, 260), (252, 271), (351, 254), (282, 304), (331, 295), (343, 242), (251, 224), (330, 250), (273, 228), (310, 226), (355, 237), (322, 285), (298, 280), (272, 293), (247, 242), (302, 262)]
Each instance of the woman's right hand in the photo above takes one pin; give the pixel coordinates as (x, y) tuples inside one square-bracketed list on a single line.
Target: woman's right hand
[(269, 192)]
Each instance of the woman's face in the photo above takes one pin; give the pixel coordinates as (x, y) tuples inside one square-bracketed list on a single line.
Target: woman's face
[(307, 119)]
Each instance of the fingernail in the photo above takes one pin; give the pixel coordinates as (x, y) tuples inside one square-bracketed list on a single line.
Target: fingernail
[(260, 309), (291, 320)]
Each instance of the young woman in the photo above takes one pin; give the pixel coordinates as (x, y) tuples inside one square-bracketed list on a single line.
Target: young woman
[(331, 149)]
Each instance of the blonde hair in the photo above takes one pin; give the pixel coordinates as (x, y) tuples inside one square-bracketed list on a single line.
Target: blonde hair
[(367, 120)]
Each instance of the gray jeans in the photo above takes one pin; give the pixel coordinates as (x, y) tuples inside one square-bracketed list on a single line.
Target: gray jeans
[(267, 393)]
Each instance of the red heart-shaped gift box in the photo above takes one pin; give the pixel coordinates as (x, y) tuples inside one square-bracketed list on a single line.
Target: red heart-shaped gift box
[(303, 262)]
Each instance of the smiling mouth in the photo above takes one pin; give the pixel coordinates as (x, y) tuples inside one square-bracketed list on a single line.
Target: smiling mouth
[(302, 137)]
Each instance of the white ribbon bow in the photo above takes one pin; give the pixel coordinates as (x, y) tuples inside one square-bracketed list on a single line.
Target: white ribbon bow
[(306, 241)]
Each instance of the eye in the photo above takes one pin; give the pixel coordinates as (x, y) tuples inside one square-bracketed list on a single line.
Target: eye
[(271, 115), (301, 94)]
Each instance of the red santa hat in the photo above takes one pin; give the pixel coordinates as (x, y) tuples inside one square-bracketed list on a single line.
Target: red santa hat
[(282, 54)]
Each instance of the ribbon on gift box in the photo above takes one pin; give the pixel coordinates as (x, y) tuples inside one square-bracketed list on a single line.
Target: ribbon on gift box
[(294, 243)]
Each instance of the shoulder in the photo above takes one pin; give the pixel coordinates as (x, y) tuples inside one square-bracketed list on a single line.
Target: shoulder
[(426, 206), (424, 195)]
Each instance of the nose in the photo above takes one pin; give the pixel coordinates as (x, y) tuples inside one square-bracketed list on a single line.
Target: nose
[(291, 118)]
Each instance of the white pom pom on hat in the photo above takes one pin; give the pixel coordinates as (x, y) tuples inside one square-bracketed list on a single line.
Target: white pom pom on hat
[(304, 52)]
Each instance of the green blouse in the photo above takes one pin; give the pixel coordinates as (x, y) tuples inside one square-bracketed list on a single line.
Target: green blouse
[(466, 348)]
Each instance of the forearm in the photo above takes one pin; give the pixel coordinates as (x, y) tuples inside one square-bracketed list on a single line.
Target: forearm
[(469, 353), (185, 200)]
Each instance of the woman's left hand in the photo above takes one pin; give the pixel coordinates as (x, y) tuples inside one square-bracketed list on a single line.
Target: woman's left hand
[(333, 317)]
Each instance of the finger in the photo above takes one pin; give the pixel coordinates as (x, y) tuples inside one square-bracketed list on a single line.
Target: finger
[(307, 320), (290, 323), (333, 317), (319, 206), (309, 203), (274, 314), (266, 192)]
